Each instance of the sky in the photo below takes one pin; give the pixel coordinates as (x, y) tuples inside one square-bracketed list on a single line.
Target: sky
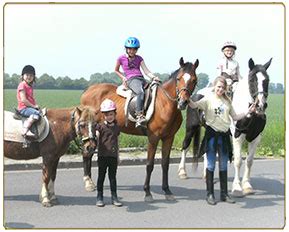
[(78, 40)]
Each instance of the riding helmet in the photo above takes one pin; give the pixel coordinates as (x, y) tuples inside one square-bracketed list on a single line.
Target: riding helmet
[(229, 44), (132, 42), (28, 69), (107, 105)]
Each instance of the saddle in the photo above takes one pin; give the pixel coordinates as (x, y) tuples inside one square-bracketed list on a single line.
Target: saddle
[(13, 124), (130, 104)]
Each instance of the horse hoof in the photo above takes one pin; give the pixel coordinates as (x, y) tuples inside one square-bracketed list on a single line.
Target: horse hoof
[(148, 198), (183, 176), (248, 191), (47, 204), (170, 197), (237, 193), (90, 188)]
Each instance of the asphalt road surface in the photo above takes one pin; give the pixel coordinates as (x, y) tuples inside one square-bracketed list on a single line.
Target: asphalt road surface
[(76, 208)]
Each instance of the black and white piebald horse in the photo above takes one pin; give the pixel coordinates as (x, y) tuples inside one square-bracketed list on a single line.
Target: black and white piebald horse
[(253, 89)]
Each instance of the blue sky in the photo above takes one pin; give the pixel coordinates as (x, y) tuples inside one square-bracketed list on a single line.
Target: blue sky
[(77, 40)]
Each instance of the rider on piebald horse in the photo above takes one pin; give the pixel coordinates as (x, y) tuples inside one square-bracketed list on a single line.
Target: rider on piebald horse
[(132, 77), (228, 67)]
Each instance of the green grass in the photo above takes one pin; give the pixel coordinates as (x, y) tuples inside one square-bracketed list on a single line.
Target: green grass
[(273, 136)]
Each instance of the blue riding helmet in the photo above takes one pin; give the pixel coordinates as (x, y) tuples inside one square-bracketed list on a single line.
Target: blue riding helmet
[(132, 42)]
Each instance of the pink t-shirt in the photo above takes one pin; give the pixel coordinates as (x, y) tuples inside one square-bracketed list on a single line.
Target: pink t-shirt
[(23, 86), (130, 68)]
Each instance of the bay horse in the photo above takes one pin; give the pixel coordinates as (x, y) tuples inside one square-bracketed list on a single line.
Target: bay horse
[(172, 97), (65, 125), (251, 89)]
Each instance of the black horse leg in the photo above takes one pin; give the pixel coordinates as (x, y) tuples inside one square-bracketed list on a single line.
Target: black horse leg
[(88, 183), (166, 150), (87, 165), (152, 147)]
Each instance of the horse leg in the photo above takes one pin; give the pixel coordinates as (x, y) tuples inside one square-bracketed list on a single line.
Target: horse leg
[(46, 183), (152, 147), (237, 190), (247, 188), (88, 183), (182, 173), (51, 191), (166, 150)]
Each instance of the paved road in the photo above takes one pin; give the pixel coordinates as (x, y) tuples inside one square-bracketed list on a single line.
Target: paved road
[(77, 208)]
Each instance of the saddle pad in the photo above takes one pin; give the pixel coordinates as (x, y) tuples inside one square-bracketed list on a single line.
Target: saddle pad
[(13, 128)]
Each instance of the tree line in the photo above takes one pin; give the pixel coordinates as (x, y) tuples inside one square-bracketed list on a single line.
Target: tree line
[(45, 81)]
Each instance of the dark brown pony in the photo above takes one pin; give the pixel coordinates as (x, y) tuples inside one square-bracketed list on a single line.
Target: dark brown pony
[(65, 125), (171, 97)]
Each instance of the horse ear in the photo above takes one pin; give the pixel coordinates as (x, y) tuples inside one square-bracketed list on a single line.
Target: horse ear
[(267, 64), (196, 64), (182, 63), (251, 64), (78, 109)]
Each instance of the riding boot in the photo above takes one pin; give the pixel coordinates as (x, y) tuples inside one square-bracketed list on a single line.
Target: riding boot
[(141, 120), (210, 187), (26, 128), (114, 199), (99, 199), (224, 187)]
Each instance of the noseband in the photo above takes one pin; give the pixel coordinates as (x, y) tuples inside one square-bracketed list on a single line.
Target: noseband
[(82, 138)]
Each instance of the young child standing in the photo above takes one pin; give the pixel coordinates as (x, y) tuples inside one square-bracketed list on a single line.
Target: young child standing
[(107, 133), (132, 78), (26, 102), (218, 109)]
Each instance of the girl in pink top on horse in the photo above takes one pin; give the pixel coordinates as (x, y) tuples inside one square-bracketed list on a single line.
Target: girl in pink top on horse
[(133, 77), (27, 106)]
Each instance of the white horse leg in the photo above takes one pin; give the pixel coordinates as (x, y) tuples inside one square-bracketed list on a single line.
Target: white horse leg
[(247, 188), (237, 190), (88, 184), (51, 192), (44, 196), (182, 166)]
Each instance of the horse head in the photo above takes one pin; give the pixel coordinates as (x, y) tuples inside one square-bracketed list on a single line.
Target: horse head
[(186, 82), (83, 121), (258, 81)]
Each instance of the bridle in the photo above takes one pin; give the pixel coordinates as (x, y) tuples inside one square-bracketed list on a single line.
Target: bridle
[(255, 93), (80, 138), (178, 91)]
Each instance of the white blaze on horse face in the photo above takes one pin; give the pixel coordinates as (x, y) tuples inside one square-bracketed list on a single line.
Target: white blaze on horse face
[(186, 77), (260, 96), (90, 134)]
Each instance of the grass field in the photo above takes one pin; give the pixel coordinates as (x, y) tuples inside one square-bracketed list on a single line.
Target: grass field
[(272, 143)]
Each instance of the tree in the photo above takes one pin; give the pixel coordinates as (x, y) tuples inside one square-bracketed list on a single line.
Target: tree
[(46, 82)]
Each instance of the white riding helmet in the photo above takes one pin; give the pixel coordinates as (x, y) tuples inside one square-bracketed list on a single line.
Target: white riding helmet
[(229, 44), (107, 105)]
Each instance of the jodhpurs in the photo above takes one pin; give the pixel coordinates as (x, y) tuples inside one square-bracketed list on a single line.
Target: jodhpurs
[(211, 155), (136, 84), (109, 163)]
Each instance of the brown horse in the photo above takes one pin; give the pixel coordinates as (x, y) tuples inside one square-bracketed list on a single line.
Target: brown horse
[(65, 125), (171, 97)]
